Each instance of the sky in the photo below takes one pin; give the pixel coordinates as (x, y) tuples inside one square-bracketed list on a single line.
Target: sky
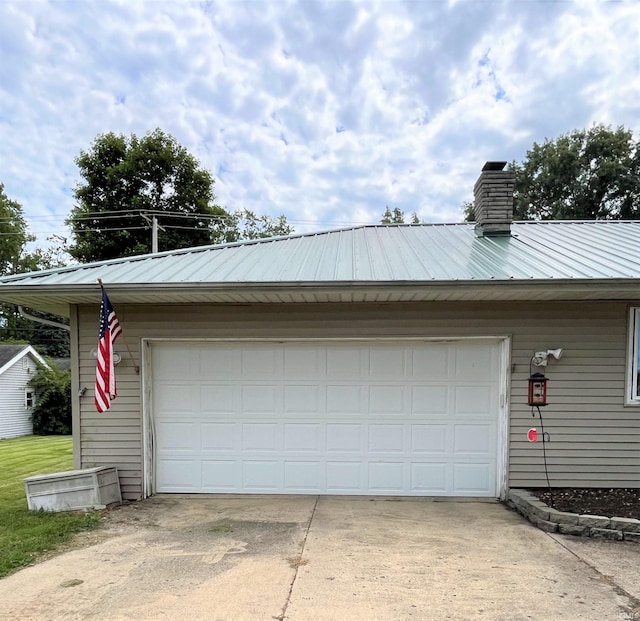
[(326, 112)]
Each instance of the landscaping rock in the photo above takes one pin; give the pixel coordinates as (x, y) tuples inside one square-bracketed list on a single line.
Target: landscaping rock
[(562, 517), (626, 524), (569, 529), (606, 533), (594, 521), (549, 527)]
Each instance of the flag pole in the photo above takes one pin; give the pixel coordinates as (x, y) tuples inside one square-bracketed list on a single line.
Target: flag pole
[(124, 338)]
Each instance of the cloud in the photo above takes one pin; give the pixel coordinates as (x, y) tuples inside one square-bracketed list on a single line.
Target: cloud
[(324, 111)]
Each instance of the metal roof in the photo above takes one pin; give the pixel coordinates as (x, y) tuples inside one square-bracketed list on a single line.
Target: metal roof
[(367, 263)]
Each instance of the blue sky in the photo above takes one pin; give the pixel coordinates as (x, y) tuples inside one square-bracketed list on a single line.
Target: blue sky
[(323, 111)]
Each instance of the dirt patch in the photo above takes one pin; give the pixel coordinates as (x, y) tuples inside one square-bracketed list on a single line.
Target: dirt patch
[(624, 502)]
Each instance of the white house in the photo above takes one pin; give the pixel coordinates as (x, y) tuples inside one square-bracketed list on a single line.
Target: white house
[(18, 363)]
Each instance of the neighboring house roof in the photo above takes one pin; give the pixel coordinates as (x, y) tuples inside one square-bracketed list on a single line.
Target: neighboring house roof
[(10, 354), (539, 260)]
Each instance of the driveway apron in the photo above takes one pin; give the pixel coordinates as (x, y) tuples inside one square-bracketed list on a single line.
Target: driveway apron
[(306, 558)]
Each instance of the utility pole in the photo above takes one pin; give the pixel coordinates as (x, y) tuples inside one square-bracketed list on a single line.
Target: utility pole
[(154, 235), (154, 231)]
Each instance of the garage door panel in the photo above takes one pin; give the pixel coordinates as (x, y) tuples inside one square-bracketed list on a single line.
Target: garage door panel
[(474, 399), (429, 477), (387, 363), (304, 438), (344, 399), (430, 439), (261, 475), (218, 436), (177, 435), (302, 399), (260, 399), (222, 362), (386, 400), (218, 399), (344, 437), (260, 437), (173, 397), (304, 362), (475, 363), (283, 420), (428, 401), (303, 476), (219, 475), (346, 362), (472, 478), (260, 362), (386, 439), (180, 475), (470, 439), (386, 477), (431, 363), (345, 477)]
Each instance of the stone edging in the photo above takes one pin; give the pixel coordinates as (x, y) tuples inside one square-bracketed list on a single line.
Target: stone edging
[(554, 521)]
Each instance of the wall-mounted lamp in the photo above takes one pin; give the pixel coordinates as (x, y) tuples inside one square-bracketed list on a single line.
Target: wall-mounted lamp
[(117, 358), (540, 357)]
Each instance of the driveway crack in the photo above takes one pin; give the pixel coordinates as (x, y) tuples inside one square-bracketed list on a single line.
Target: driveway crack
[(297, 565)]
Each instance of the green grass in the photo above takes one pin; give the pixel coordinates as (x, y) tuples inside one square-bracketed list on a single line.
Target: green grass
[(25, 535)]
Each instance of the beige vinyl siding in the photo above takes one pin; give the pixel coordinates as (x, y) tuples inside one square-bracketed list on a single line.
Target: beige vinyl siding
[(595, 440)]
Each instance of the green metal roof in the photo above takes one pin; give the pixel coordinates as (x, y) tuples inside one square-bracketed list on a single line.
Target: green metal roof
[(415, 258)]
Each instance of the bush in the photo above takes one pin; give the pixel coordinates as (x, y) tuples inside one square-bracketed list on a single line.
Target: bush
[(52, 412)]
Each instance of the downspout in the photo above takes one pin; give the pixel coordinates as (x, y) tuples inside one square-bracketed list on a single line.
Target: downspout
[(46, 322)]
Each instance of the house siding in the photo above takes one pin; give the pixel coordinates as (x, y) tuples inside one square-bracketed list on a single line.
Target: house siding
[(595, 439), (15, 419)]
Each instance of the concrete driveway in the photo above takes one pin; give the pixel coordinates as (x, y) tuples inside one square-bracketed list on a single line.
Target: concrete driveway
[(310, 558)]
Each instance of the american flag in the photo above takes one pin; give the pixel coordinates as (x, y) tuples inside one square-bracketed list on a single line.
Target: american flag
[(105, 372)]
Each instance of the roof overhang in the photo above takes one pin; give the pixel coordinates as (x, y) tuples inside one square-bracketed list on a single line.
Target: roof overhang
[(58, 298)]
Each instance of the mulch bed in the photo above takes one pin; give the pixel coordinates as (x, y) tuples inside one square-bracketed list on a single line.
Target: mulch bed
[(608, 502)]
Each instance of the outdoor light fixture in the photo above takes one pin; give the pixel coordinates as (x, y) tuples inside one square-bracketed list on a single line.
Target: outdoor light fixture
[(117, 358), (540, 357)]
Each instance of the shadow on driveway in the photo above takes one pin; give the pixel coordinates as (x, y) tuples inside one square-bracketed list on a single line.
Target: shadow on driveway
[(308, 558)]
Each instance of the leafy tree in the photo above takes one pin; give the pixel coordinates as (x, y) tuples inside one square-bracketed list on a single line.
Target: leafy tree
[(586, 174), (397, 217), (128, 181), (13, 233), (245, 224), (582, 175), (14, 259), (52, 412), (124, 177)]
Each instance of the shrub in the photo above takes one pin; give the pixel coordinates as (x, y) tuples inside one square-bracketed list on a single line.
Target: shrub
[(52, 412)]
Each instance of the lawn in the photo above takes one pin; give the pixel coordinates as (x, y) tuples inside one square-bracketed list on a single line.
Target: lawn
[(25, 535)]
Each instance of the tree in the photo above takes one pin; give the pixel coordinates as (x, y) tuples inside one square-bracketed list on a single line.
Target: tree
[(52, 412), (15, 259), (13, 233), (582, 175), (245, 224), (397, 217), (126, 177)]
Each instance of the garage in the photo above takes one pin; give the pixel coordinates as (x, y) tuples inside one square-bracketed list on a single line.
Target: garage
[(378, 417)]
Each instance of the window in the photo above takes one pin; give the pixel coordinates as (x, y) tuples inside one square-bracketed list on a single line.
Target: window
[(29, 398), (25, 363), (633, 361)]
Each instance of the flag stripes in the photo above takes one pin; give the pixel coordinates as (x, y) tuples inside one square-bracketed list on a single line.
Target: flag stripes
[(109, 330)]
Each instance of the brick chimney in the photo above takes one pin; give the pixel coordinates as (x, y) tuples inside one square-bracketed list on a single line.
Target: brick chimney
[(493, 200)]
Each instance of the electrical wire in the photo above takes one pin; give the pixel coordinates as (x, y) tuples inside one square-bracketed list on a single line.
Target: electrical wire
[(545, 438)]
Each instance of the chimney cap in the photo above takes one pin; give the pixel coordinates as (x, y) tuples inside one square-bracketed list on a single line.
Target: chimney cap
[(494, 166)]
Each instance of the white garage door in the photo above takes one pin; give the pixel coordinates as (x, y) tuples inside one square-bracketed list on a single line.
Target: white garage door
[(391, 418)]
